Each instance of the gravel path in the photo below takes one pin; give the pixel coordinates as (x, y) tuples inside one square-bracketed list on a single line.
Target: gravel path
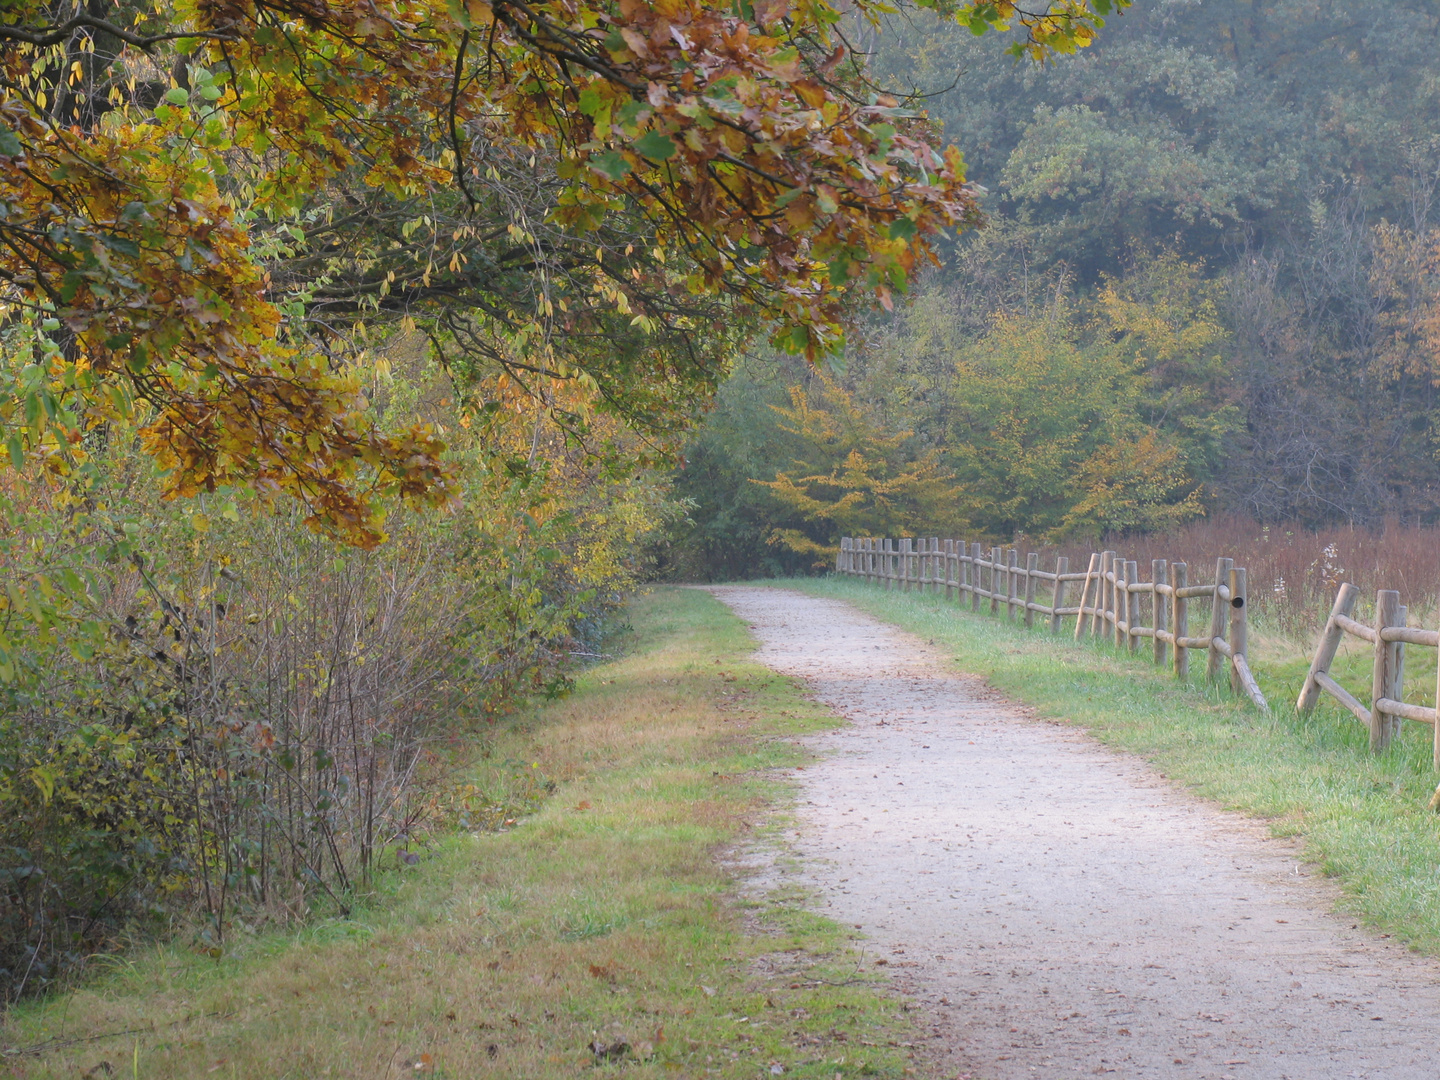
[(1062, 907)]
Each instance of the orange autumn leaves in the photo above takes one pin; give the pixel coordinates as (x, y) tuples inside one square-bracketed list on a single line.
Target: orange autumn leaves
[(121, 242), (767, 175)]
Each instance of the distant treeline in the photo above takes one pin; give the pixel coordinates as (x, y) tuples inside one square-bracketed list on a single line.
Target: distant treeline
[(1210, 282)]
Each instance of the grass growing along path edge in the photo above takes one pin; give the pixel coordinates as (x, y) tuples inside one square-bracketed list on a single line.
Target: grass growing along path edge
[(1364, 819), (602, 918)]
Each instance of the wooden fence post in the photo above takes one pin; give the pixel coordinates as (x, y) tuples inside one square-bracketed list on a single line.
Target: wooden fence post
[(995, 572), (1032, 563), (1057, 598), (1159, 607), (1089, 595), (1011, 584), (1239, 635), (1397, 672), (1107, 617), (1435, 742), (975, 577), (887, 562), (1100, 623), (1180, 617), (1132, 608), (907, 547), (1121, 598), (935, 560), (949, 562), (1330, 639), (1217, 619), (922, 564), (966, 571), (1122, 601), (870, 560), (1387, 614)]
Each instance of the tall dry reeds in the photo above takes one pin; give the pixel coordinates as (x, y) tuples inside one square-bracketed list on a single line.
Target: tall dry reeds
[(1294, 572)]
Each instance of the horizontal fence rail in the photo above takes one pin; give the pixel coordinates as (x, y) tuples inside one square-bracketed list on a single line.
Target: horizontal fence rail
[(1110, 602), (1388, 635)]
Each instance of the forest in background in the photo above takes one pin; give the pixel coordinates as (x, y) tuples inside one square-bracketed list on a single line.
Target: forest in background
[(1209, 284)]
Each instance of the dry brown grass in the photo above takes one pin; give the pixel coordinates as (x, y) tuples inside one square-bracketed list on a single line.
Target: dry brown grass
[(605, 917), (1294, 573)]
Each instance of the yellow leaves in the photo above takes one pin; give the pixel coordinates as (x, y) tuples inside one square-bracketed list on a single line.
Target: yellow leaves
[(703, 122), (813, 94)]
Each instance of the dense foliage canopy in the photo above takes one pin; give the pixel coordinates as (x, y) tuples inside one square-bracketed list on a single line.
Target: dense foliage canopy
[(1211, 251)]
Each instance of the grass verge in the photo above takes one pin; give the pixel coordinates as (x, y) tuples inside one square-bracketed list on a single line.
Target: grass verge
[(598, 935), (1364, 818)]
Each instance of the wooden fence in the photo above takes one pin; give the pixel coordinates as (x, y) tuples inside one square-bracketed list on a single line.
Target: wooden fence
[(1112, 604), (1389, 635)]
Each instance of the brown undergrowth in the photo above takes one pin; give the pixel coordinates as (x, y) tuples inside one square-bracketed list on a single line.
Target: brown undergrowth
[(596, 935)]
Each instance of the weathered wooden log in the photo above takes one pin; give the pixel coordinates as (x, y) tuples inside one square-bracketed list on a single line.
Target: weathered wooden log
[(1340, 694), (1089, 592), (1330, 639), (1180, 619), (1057, 598), (1158, 608), (1132, 606), (1239, 627), (1218, 622), (1387, 610), (1011, 583), (975, 577), (1032, 563)]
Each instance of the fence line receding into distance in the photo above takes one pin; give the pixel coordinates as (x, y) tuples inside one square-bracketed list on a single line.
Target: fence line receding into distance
[(1113, 602)]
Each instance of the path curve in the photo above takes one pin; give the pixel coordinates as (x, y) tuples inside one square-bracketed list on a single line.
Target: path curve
[(1064, 909)]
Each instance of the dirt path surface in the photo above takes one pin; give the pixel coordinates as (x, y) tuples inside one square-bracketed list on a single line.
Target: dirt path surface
[(1062, 908)]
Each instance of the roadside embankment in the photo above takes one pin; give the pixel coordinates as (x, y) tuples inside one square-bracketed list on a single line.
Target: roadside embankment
[(602, 932)]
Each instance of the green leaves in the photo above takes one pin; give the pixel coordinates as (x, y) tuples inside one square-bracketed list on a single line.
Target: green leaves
[(655, 146), (611, 164), (902, 229)]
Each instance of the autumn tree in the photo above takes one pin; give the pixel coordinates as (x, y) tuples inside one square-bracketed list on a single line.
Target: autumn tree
[(851, 477), (152, 160)]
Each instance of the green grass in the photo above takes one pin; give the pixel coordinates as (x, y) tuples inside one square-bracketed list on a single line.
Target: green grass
[(1364, 818), (604, 917)]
